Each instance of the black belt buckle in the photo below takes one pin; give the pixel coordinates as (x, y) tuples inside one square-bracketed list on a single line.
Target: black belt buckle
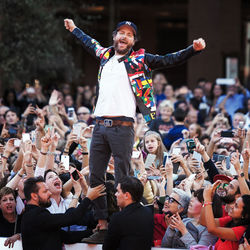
[(108, 123)]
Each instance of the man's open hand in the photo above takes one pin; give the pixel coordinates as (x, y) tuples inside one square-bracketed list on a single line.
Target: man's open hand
[(69, 24)]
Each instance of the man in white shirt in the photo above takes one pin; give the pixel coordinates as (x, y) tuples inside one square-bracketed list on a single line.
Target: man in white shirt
[(124, 82)]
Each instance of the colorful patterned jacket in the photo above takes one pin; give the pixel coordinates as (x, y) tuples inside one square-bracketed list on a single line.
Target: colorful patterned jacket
[(138, 65)]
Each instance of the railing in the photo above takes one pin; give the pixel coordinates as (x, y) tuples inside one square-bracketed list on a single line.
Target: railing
[(77, 246)]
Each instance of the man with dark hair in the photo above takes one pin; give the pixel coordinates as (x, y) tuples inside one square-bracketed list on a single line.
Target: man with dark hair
[(132, 227), (175, 133), (42, 230), (124, 82)]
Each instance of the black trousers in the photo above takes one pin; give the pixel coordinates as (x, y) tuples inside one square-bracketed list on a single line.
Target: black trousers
[(118, 141)]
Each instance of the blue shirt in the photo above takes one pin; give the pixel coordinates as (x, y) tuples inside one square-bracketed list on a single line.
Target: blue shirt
[(233, 102), (174, 134)]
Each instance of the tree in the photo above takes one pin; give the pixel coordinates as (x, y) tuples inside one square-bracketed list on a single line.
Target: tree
[(32, 42)]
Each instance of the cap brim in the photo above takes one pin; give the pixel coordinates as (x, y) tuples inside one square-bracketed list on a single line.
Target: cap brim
[(222, 178), (128, 27)]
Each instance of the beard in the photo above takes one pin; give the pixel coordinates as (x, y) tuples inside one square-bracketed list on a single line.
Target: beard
[(228, 198), (122, 51), (44, 203)]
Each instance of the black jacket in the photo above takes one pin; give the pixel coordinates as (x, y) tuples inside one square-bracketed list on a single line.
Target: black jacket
[(130, 229), (41, 230)]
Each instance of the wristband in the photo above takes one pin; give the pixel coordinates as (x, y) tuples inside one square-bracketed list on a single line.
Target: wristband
[(85, 153), (43, 153), (240, 175), (29, 165), (75, 197), (207, 203), (5, 157), (51, 153), (20, 175)]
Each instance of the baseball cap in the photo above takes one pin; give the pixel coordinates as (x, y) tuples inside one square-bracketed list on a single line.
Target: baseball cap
[(222, 178), (127, 23)]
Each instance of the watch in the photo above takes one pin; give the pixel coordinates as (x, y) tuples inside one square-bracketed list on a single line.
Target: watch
[(241, 175)]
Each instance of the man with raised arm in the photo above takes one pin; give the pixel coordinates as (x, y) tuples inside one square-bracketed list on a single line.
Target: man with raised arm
[(124, 82)]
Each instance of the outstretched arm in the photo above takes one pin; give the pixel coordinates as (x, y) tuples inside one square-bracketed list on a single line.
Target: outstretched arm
[(89, 43), (173, 59)]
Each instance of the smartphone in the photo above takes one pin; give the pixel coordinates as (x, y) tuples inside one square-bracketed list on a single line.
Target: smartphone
[(225, 81), (149, 160), (75, 175), (190, 145), (165, 160), (221, 158), (227, 133), (136, 154), (65, 161), (77, 129), (154, 177), (25, 137), (197, 157), (33, 136), (241, 125), (176, 167), (176, 150), (71, 113), (168, 213), (17, 143)]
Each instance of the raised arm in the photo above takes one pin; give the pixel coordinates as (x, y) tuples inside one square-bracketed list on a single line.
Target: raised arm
[(173, 59), (89, 43), (212, 226)]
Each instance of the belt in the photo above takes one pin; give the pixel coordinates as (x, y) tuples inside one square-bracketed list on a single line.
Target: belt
[(111, 123)]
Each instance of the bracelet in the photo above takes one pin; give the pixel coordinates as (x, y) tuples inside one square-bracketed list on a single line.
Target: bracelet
[(75, 197), (240, 175), (85, 153), (51, 153), (43, 153), (207, 203), (29, 165), (20, 175), (5, 157)]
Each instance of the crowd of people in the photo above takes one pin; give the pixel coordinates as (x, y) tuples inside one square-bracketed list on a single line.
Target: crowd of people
[(191, 164)]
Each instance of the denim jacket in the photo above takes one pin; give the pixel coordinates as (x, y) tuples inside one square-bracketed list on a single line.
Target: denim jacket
[(138, 65)]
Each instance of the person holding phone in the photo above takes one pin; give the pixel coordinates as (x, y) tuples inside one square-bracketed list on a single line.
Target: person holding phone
[(124, 82), (152, 144), (176, 202), (231, 228), (184, 233)]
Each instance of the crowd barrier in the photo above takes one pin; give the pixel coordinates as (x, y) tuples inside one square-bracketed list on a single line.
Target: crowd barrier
[(78, 246)]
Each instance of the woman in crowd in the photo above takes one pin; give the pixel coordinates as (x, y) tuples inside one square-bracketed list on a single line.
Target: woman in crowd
[(188, 232), (10, 222), (231, 228)]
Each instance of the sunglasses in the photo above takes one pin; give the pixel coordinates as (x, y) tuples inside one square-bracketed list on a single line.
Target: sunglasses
[(83, 113), (222, 185), (171, 200)]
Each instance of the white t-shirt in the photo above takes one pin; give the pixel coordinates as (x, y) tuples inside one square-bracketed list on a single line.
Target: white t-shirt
[(116, 97)]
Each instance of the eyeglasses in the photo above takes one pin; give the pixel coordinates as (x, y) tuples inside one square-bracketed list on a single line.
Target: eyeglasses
[(85, 113), (222, 185), (171, 200)]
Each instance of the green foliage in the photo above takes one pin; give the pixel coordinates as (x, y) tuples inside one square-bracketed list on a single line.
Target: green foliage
[(32, 42)]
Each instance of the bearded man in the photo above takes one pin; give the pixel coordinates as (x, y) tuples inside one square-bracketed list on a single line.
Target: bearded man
[(42, 230), (124, 82)]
